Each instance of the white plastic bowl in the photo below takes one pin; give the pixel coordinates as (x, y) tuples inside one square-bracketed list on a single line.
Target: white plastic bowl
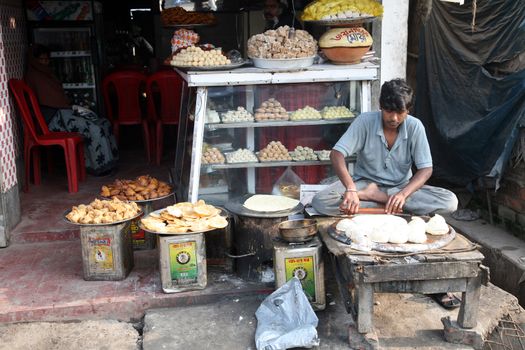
[(284, 63)]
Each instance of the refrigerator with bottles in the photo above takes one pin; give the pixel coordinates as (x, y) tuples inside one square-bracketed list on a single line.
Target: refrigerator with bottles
[(70, 31)]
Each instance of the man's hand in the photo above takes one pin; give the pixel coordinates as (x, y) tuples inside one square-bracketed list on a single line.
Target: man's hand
[(350, 204), (395, 203)]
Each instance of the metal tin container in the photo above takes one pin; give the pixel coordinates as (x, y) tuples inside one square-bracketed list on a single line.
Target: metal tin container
[(141, 239), (305, 262), (107, 252), (182, 262)]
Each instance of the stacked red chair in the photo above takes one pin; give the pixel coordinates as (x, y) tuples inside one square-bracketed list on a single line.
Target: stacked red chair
[(164, 110), (125, 108)]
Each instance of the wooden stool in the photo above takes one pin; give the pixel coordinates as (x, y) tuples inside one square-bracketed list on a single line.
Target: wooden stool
[(432, 273)]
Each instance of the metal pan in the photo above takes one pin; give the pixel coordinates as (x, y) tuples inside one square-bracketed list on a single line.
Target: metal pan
[(144, 200), (297, 231), (223, 213), (102, 224)]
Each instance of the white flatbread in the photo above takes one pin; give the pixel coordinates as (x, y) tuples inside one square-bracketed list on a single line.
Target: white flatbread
[(269, 203)]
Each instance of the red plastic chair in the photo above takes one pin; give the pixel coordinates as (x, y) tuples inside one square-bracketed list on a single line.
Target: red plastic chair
[(168, 86), (127, 87), (36, 133)]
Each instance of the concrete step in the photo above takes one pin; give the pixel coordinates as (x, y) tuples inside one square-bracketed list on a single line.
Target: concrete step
[(44, 282), (401, 321), (504, 254)]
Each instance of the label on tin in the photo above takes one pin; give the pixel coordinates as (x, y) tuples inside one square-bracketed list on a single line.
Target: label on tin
[(303, 269), (183, 262), (138, 235), (101, 254)]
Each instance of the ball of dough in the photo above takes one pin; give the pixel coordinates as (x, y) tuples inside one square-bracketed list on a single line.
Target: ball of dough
[(416, 233), (437, 225), (379, 235)]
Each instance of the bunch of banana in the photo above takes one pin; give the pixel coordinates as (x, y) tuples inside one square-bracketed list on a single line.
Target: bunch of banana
[(341, 9)]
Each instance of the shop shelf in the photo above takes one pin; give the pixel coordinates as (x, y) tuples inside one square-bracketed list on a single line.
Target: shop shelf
[(78, 86), (211, 167), (215, 126), (68, 54)]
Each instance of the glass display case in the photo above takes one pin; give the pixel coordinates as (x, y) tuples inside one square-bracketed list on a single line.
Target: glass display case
[(240, 130)]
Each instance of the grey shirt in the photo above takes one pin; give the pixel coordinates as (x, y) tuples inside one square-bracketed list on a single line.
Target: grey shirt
[(366, 139)]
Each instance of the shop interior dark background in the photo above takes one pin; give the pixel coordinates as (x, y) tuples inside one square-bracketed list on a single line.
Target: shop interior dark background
[(237, 20)]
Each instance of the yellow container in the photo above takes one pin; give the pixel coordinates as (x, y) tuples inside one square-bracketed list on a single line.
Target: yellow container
[(305, 262), (182, 261), (107, 252)]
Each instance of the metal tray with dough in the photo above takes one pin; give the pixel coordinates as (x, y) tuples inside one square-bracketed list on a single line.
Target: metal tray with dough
[(433, 242)]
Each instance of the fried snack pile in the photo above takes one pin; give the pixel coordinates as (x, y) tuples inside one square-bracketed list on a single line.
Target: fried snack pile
[(185, 217), (103, 212), (178, 15), (142, 188), (278, 44)]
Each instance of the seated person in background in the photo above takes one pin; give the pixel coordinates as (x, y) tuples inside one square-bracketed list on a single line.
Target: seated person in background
[(277, 14), (387, 143), (101, 152)]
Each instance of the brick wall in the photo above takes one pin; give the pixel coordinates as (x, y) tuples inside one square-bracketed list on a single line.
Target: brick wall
[(510, 198)]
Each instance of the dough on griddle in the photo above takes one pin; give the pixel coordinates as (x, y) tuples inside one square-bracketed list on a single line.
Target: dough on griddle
[(437, 225), (269, 203), (416, 230)]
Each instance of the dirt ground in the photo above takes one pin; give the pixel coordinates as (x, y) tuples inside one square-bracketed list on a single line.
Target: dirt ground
[(85, 335)]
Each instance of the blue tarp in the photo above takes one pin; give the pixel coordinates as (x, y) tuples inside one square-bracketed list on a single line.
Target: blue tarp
[(471, 112)]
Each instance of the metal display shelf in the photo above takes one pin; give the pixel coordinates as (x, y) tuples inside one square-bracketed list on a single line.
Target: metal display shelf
[(192, 131), (68, 54), (254, 76), (215, 126), (211, 167), (78, 86)]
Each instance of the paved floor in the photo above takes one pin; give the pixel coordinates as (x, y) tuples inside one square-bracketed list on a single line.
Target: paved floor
[(402, 321), (43, 206)]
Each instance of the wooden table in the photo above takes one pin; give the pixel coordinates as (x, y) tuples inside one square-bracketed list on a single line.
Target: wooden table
[(360, 274)]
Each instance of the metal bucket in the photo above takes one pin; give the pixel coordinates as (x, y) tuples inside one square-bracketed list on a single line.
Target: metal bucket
[(253, 241)]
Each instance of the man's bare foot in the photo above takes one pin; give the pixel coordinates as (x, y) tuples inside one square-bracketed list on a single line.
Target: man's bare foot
[(372, 193)]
